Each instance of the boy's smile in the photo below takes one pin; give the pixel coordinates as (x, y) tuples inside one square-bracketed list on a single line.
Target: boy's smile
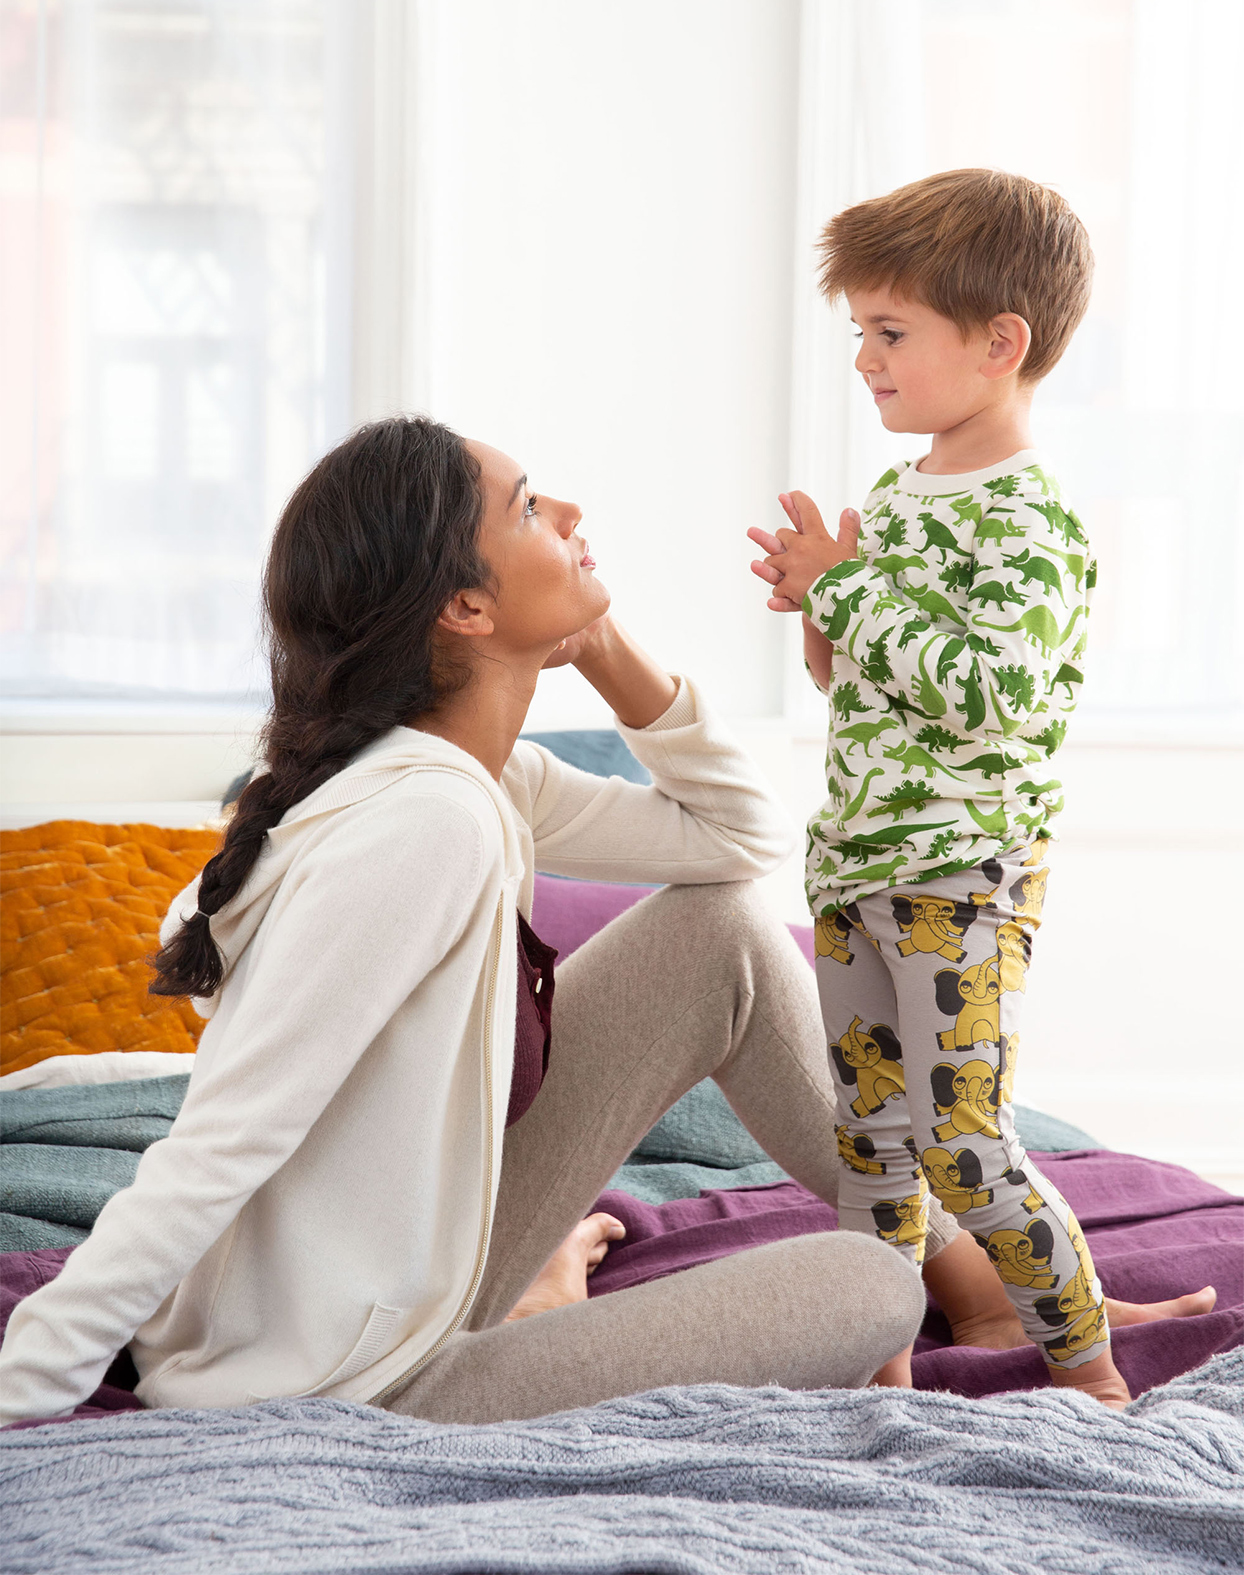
[(923, 374)]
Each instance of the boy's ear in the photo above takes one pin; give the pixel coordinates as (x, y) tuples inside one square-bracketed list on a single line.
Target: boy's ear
[(1009, 341), (467, 614)]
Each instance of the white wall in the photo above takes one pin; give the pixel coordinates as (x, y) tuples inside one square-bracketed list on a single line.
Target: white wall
[(609, 195)]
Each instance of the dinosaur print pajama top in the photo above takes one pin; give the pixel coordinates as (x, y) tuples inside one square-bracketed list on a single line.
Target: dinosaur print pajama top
[(958, 638)]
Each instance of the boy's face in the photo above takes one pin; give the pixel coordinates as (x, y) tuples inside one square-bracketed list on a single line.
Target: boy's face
[(923, 375)]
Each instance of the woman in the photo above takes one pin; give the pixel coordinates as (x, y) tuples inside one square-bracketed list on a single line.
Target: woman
[(370, 1168)]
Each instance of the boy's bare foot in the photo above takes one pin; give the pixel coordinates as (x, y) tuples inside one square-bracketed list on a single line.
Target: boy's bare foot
[(998, 1328), (563, 1279), (894, 1374), (979, 1311), (1099, 1378)]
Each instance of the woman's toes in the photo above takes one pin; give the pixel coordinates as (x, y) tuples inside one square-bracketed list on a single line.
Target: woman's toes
[(1194, 1305)]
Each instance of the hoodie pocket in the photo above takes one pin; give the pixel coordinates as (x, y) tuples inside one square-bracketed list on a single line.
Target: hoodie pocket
[(371, 1345)]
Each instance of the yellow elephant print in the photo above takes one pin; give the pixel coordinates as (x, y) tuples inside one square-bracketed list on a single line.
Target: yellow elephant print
[(956, 1179), (1077, 1295), (857, 1151), (969, 1095), (971, 997), (869, 1060), (932, 925), (1088, 1330), (904, 1221), (833, 938), (1016, 1178), (1022, 1257), (1008, 1056), (1028, 897)]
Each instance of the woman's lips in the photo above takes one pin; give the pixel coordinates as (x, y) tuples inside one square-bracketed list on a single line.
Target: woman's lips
[(587, 561)]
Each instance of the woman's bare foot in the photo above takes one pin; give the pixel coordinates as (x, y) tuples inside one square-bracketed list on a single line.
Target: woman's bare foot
[(1099, 1378), (563, 1279), (894, 1374), (998, 1329)]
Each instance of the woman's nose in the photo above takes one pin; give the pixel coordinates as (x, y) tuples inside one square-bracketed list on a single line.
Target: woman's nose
[(568, 517)]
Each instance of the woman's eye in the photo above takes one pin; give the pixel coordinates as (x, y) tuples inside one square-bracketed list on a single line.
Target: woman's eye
[(531, 506)]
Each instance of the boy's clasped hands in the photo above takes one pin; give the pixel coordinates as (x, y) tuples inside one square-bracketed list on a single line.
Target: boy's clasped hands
[(797, 558)]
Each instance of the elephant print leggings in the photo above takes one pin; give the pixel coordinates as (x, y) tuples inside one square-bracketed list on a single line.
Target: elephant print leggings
[(920, 989)]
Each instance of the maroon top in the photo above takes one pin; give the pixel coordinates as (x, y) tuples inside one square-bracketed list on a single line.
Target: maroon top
[(533, 1020)]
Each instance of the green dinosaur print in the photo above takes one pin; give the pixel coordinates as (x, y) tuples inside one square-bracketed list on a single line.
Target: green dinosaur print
[(972, 707), (967, 510), (894, 564), (993, 825), (943, 714), (835, 625), (957, 576), (910, 630), (876, 668), (999, 594), (934, 604), (1050, 738), (1016, 683), (894, 535), (938, 535), (846, 700), (853, 808), (1067, 525), (866, 733), (912, 758), (941, 844), (988, 766), (1041, 627), (947, 658), (875, 842), (995, 528), (935, 737), (1039, 569)]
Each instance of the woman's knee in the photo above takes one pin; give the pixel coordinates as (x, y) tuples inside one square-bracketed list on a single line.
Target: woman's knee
[(885, 1287)]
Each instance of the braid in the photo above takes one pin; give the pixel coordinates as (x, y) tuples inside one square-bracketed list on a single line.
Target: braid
[(370, 549)]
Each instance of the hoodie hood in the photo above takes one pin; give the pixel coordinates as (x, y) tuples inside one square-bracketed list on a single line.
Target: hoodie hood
[(386, 761)]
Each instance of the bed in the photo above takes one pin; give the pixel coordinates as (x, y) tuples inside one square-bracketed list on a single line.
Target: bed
[(983, 1466)]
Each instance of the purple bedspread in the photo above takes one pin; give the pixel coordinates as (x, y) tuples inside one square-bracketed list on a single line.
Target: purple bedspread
[(1155, 1231)]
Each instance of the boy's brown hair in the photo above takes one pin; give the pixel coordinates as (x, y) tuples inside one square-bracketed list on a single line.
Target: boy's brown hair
[(971, 244)]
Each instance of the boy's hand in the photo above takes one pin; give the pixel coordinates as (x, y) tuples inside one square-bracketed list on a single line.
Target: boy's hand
[(799, 557)]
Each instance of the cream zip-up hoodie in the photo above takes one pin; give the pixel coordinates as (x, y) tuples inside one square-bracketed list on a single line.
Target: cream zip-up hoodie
[(317, 1220)]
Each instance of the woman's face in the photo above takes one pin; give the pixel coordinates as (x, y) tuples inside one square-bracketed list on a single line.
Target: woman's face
[(544, 587)]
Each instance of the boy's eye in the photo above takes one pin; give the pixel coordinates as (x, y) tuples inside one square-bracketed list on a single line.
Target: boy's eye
[(531, 506), (891, 335)]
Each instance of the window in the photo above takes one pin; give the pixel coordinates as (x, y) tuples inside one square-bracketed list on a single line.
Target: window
[(172, 305)]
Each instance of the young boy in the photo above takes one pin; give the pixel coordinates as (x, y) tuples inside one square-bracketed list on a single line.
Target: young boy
[(947, 629)]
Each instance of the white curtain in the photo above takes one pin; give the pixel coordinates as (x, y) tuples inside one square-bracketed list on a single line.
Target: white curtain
[(173, 329), (1129, 108)]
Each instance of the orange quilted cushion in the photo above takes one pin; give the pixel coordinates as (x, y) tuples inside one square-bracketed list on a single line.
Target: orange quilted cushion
[(81, 911)]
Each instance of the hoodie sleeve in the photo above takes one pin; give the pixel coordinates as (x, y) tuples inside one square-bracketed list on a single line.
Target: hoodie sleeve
[(333, 960), (707, 816)]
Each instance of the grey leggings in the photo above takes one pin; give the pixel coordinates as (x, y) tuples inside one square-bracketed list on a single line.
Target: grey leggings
[(694, 981)]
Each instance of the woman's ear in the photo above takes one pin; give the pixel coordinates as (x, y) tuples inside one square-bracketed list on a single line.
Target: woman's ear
[(467, 614), (1009, 341)]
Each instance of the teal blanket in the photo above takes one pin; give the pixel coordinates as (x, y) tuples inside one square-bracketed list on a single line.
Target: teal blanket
[(67, 1150)]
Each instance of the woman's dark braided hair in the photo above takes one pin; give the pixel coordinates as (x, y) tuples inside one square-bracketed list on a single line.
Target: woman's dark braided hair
[(369, 551)]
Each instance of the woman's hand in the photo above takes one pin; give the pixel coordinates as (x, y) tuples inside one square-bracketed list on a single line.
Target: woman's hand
[(576, 646)]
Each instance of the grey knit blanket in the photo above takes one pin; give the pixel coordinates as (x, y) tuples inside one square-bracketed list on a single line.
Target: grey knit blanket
[(684, 1481)]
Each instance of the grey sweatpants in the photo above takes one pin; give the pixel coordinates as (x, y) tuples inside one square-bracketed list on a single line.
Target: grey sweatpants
[(694, 981)]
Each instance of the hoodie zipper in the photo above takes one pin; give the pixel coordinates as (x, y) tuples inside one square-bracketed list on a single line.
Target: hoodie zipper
[(481, 1246)]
